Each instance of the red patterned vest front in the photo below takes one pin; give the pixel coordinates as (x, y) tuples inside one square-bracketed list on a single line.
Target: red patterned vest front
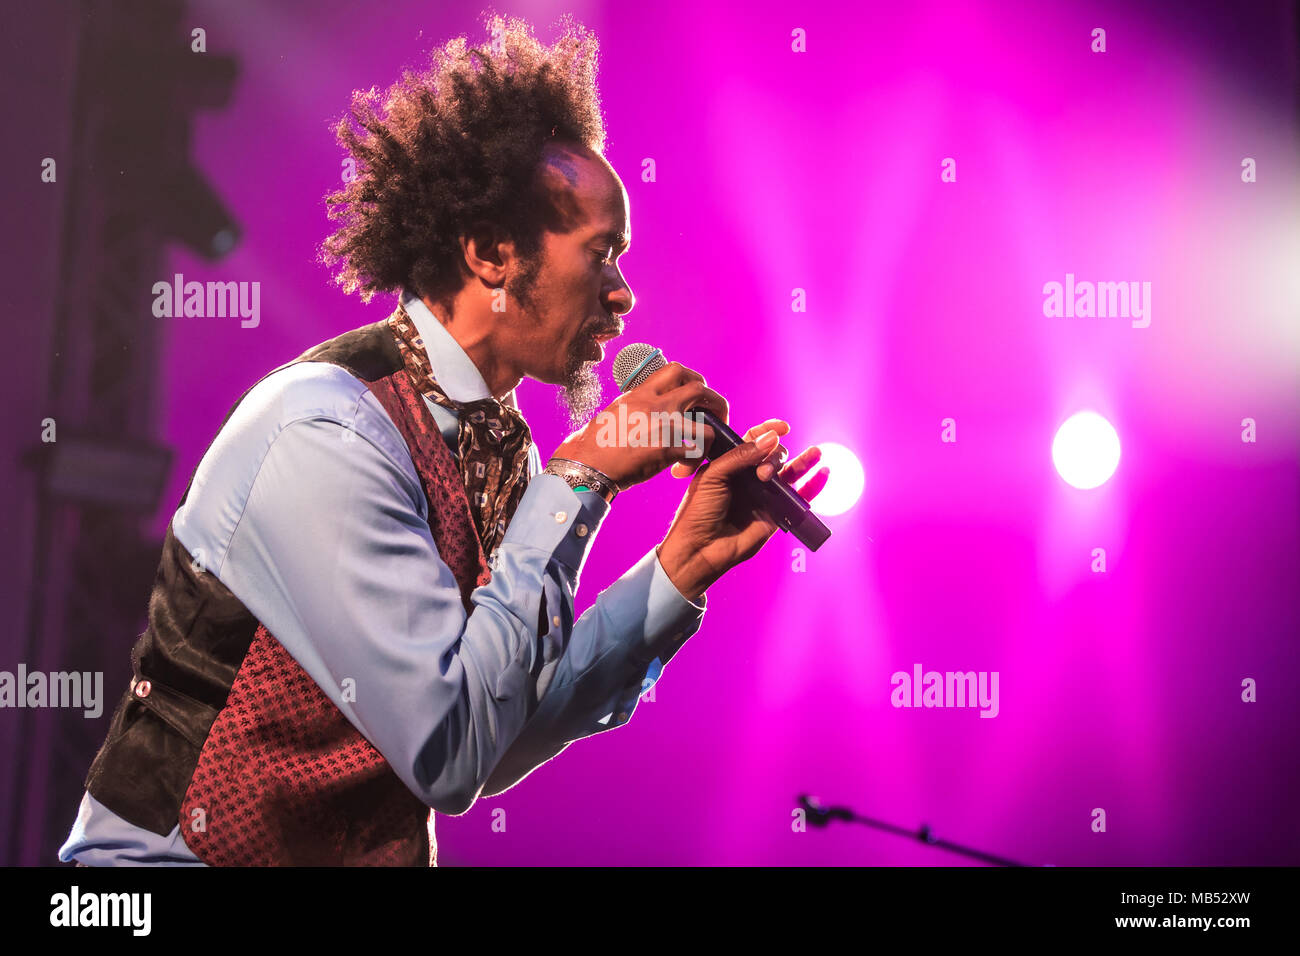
[(232, 739)]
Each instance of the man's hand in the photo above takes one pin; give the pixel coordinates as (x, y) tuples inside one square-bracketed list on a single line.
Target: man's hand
[(668, 393), (713, 531)]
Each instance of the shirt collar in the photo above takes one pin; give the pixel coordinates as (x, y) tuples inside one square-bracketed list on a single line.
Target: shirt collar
[(456, 373)]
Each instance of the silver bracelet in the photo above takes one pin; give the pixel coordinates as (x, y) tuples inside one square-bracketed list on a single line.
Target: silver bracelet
[(582, 477)]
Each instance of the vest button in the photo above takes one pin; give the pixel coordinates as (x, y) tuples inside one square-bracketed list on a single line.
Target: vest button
[(581, 530), (142, 689), (556, 620)]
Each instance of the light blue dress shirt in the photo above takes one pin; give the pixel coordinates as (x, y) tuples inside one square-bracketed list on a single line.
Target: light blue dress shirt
[(309, 509)]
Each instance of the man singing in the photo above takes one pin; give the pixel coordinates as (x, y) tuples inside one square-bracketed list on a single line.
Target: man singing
[(364, 609)]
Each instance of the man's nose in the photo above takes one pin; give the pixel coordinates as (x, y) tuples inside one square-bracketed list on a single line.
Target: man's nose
[(619, 301)]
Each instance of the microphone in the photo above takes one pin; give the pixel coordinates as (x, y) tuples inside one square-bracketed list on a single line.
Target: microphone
[(776, 496)]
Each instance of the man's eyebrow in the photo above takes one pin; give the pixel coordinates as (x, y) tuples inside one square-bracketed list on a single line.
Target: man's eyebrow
[(618, 240)]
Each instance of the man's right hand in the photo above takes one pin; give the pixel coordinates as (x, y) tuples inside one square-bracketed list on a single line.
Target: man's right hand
[(669, 392)]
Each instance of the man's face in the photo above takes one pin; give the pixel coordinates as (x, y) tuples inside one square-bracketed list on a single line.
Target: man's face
[(573, 292)]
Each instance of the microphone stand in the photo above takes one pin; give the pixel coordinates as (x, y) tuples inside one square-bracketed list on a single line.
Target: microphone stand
[(820, 816)]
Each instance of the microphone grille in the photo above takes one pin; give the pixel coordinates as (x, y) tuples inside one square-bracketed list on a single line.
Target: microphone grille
[(635, 363)]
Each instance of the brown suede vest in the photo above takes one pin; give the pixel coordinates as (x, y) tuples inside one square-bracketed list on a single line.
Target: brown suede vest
[(224, 734)]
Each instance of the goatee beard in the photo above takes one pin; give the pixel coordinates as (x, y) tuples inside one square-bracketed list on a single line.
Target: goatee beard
[(582, 394)]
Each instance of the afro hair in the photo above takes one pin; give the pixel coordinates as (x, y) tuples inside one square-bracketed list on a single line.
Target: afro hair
[(453, 146)]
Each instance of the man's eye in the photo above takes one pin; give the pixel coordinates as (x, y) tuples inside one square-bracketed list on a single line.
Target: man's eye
[(602, 258)]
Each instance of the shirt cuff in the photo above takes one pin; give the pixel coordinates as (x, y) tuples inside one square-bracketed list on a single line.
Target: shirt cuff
[(645, 605), (554, 518), (662, 580)]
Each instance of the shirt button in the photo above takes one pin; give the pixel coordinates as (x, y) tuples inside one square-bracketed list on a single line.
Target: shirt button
[(143, 688), (581, 530), (556, 620), (561, 517)]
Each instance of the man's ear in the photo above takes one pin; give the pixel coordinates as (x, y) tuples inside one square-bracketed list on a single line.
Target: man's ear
[(487, 253)]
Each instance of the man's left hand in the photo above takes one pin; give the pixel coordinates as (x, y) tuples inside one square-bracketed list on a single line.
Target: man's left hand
[(713, 530)]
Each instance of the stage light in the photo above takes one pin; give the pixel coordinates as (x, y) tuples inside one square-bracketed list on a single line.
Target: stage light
[(1086, 450), (847, 479)]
